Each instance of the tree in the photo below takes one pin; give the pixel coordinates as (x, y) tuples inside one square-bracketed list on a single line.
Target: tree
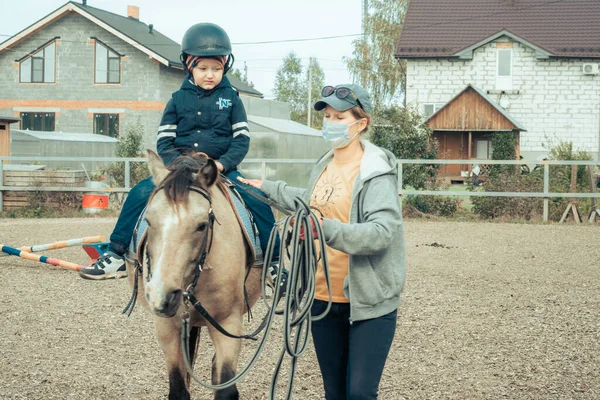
[(292, 85), (404, 134), (242, 76), (372, 62)]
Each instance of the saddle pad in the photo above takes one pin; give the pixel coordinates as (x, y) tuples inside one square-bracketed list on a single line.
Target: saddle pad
[(242, 214)]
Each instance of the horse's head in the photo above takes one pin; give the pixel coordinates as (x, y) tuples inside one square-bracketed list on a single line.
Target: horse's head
[(179, 216)]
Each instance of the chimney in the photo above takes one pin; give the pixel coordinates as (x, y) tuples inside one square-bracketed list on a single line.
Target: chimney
[(133, 12), (150, 28), (84, 2)]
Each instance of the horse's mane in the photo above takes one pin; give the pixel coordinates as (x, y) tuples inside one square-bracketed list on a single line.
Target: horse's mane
[(182, 174)]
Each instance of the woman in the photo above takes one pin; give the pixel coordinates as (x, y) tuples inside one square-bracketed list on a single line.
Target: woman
[(354, 189)]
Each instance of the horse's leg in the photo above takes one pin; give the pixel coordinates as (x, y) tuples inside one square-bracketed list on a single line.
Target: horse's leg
[(225, 360), (168, 335)]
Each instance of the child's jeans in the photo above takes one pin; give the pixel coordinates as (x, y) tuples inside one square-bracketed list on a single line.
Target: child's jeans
[(140, 194)]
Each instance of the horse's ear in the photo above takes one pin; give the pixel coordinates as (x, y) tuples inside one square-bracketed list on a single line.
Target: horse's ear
[(157, 167), (208, 174)]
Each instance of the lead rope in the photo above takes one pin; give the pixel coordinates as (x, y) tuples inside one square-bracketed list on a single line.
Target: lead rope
[(299, 299)]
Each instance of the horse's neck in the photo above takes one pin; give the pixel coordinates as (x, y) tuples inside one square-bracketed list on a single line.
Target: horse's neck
[(229, 238), (224, 210)]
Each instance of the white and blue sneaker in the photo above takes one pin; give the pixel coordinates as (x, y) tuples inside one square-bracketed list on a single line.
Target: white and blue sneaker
[(108, 266), (278, 287)]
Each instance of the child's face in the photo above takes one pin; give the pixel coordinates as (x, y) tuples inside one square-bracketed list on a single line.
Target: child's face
[(208, 73)]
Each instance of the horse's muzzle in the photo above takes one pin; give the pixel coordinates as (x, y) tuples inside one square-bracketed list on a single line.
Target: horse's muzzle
[(170, 304)]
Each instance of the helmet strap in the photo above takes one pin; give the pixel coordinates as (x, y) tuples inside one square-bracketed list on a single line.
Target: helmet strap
[(228, 63)]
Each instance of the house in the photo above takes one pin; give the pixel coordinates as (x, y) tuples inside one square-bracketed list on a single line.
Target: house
[(81, 69), (475, 67)]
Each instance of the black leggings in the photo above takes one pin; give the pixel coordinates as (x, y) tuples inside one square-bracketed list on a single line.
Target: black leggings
[(351, 356)]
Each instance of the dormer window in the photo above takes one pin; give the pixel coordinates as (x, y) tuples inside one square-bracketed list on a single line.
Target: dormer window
[(108, 64), (39, 66)]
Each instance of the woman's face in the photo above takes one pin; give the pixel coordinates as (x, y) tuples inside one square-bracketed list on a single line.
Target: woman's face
[(346, 118)]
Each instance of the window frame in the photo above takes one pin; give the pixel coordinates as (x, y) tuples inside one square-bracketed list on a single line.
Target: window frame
[(488, 140), (436, 108), (504, 82), (31, 120), (34, 55), (109, 50), (107, 124)]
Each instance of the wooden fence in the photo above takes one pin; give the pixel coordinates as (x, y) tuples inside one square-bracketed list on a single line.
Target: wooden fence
[(41, 178)]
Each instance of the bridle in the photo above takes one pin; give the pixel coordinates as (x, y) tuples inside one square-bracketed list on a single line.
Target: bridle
[(188, 294)]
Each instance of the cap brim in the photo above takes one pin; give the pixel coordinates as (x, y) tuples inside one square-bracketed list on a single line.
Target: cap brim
[(333, 101)]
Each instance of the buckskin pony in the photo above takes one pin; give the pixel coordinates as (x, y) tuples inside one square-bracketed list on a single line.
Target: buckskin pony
[(190, 218)]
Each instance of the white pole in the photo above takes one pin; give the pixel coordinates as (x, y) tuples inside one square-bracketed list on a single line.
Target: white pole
[(309, 91)]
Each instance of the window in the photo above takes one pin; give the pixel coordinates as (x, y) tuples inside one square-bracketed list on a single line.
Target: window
[(430, 108), (106, 124), (504, 69), (39, 66), (483, 149), (108, 64), (37, 121)]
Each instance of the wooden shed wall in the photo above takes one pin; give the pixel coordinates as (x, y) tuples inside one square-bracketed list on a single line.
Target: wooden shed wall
[(470, 112)]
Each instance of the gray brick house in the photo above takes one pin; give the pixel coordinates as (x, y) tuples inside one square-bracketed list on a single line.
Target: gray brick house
[(81, 69)]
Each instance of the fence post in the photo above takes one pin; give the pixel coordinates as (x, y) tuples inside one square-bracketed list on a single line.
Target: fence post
[(263, 170), (1, 184), (400, 184), (546, 187), (127, 174)]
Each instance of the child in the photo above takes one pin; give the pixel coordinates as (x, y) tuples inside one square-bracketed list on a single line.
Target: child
[(205, 115)]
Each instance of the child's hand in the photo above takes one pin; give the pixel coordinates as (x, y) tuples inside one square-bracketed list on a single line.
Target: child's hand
[(255, 183), (219, 166)]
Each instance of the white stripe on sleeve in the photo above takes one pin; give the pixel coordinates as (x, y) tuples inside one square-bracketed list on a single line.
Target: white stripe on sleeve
[(244, 132), (167, 127), (239, 125), (166, 134)]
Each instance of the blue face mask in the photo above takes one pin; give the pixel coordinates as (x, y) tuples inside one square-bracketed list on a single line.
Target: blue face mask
[(336, 134)]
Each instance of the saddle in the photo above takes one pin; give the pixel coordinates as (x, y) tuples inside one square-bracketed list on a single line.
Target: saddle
[(244, 218)]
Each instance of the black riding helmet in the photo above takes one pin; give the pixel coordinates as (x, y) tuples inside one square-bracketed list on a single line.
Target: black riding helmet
[(207, 40)]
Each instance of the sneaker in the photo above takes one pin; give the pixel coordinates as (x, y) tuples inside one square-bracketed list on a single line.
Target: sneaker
[(109, 266), (281, 286)]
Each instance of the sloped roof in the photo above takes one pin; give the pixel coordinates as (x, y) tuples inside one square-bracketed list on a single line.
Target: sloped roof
[(473, 114), (10, 120), (131, 30), (63, 136), (284, 125), (562, 28)]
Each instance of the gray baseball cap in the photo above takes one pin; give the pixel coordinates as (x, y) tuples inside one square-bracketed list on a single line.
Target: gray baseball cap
[(357, 96)]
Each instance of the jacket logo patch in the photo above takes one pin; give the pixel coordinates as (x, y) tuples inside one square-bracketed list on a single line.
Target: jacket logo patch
[(223, 103)]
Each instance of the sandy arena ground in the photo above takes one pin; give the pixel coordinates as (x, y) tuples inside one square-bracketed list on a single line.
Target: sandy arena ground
[(490, 311)]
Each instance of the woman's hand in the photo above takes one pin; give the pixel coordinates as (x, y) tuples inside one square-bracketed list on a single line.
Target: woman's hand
[(219, 166), (255, 183)]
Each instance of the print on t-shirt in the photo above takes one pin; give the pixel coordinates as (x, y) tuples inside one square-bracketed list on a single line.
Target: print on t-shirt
[(326, 193)]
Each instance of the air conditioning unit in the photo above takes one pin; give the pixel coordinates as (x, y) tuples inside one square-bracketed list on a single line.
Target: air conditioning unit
[(590, 69)]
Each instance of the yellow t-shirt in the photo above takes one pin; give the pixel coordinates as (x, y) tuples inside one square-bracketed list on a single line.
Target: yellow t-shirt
[(332, 197)]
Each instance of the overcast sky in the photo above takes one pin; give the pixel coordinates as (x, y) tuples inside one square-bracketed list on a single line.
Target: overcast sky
[(244, 20)]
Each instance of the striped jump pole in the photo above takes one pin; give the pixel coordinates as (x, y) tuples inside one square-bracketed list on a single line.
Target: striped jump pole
[(43, 259), (61, 244)]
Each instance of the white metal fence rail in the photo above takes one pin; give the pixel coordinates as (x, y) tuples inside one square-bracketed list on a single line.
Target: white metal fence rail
[(545, 194)]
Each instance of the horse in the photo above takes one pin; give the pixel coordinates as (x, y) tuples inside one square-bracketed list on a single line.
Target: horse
[(190, 218)]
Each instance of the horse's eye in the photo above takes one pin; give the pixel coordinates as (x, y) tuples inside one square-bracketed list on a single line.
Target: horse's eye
[(201, 227)]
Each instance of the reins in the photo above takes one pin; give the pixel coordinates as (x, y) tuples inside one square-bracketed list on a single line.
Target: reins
[(303, 254)]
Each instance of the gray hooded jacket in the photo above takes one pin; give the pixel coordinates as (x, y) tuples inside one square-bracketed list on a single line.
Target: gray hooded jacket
[(374, 236)]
